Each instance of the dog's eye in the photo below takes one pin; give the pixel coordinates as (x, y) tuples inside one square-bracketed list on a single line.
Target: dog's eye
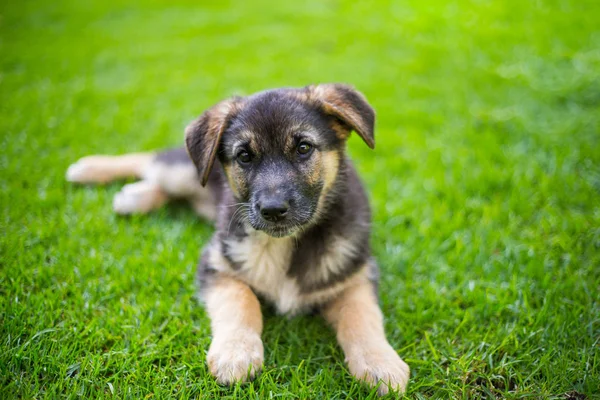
[(304, 148), (244, 157)]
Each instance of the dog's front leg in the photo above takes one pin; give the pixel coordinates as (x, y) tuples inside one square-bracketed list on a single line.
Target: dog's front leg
[(358, 322), (236, 351)]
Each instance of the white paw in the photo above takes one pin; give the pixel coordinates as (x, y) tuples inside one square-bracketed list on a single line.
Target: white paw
[(380, 365), (138, 197), (82, 172), (236, 357)]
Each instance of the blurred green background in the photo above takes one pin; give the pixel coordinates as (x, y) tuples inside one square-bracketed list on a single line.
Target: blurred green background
[(485, 186)]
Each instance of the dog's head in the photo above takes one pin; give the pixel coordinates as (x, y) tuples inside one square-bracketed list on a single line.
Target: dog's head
[(280, 149)]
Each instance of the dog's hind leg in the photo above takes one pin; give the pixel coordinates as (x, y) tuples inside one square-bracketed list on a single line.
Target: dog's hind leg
[(104, 169), (165, 175), (140, 197)]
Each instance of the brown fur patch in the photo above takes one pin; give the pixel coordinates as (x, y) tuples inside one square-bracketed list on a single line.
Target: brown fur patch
[(330, 162), (250, 137), (234, 183), (341, 131), (315, 171), (358, 323), (232, 304), (236, 352)]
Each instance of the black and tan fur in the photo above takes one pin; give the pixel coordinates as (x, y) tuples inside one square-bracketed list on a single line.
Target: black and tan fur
[(292, 221)]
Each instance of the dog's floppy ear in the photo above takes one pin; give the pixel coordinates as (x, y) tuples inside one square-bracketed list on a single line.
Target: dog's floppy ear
[(203, 135), (349, 106)]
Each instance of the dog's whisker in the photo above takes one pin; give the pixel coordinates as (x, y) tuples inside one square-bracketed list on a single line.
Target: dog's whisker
[(240, 210), (234, 205)]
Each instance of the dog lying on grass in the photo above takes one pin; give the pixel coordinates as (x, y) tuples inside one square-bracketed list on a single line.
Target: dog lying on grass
[(292, 221)]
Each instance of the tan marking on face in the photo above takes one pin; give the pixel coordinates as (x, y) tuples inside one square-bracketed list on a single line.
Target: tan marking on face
[(289, 140), (245, 137), (314, 170), (330, 162), (307, 132), (358, 323), (233, 171), (233, 177), (329, 171)]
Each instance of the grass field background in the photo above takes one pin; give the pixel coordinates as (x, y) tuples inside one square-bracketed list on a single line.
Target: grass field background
[(485, 185)]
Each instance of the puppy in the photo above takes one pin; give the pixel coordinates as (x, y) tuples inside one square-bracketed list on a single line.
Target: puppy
[(292, 221)]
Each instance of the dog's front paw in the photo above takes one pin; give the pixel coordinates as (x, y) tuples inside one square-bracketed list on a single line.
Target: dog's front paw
[(236, 357), (380, 365)]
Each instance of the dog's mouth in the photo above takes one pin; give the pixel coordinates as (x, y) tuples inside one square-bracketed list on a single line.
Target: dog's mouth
[(281, 231), (278, 230), (287, 227)]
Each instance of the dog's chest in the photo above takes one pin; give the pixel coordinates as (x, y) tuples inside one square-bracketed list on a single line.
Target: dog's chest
[(263, 263)]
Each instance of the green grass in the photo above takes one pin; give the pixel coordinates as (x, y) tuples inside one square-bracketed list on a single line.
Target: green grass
[(485, 185)]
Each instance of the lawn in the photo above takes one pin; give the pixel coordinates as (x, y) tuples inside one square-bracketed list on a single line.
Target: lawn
[(485, 185)]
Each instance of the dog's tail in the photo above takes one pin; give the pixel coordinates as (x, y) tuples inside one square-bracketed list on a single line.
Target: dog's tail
[(104, 169)]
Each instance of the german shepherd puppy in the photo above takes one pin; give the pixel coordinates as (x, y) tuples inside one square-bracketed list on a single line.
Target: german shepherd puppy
[(292, 221)]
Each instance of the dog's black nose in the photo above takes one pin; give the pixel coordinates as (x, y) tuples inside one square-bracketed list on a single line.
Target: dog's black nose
[(274, 211)]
